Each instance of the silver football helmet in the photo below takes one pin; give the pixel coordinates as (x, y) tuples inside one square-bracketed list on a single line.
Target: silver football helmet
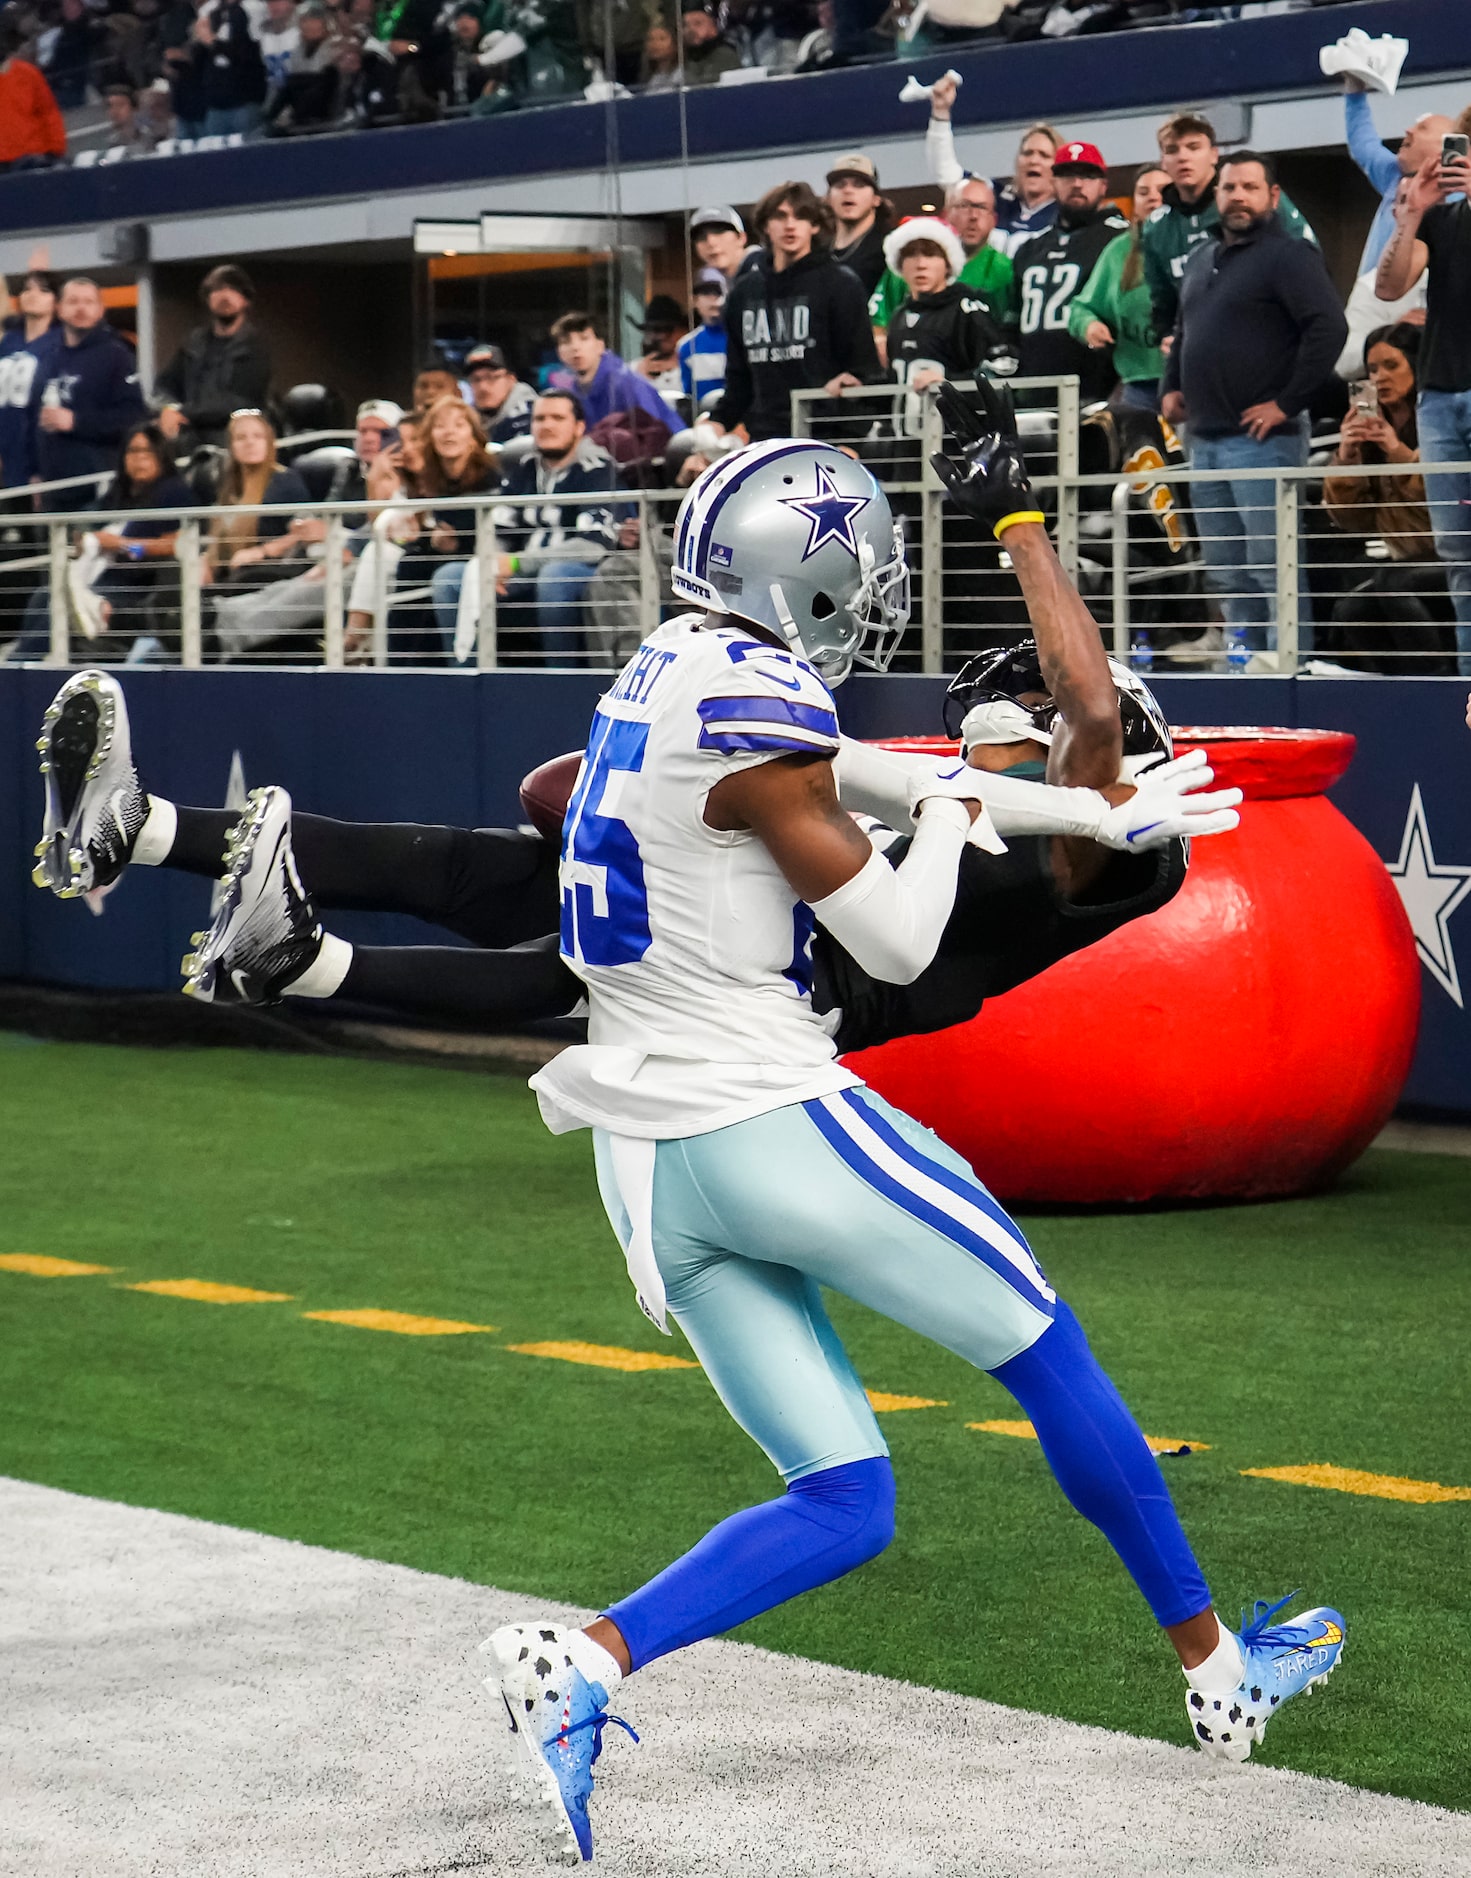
[(798, 538)]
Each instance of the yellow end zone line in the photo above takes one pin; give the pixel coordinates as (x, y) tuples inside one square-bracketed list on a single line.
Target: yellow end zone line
[(1320, 1474)]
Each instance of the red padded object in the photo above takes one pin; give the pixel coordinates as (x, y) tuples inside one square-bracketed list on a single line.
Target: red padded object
[(546, 792), (1249, 1039)]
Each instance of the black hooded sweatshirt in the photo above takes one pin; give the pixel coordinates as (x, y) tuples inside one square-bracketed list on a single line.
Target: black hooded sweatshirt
[(791, 331), (1050, 269)]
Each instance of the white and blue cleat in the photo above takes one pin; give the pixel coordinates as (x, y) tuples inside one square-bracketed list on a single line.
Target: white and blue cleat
[(557, 1717), (1281, 1661)]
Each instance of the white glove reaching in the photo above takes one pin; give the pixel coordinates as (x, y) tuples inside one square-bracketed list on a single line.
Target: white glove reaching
[(1167, 802), (958, 782)]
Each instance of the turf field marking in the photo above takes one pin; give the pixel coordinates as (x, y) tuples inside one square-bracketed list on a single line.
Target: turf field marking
[(602, 1356), (400, 1322), (883, 1404), (39, 1265), (1351, 1480), (1157, 1444), (202, 1291)]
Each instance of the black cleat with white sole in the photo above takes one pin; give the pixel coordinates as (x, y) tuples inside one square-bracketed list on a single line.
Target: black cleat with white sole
[(266, 932), (95, 804)]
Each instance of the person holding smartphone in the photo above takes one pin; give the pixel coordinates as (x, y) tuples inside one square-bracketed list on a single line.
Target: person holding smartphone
[(1432, 237)]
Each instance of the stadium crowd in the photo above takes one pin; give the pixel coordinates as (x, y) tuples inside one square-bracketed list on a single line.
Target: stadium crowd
[(1197, 314), (172, 71)]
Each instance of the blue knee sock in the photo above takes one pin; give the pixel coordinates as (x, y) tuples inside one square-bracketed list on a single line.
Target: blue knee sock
[(1094, 1447), (822, 1526)]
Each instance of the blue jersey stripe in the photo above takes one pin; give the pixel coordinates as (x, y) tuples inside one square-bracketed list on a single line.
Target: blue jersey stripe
[(921, 1209), (733, 742), (769, 710), (946, 1177)]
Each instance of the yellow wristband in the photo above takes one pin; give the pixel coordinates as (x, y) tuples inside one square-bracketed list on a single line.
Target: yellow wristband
[(1022, 515)]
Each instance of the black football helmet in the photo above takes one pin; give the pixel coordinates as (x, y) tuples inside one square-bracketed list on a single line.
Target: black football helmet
[(1011, 676)]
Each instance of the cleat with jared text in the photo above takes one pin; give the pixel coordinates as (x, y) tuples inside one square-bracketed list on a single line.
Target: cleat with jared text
[(265, 932), (557, 1718), (95, 804), (1280, 1661)]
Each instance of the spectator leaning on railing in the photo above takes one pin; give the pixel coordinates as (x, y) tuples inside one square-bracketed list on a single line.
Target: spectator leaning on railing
[(798, 321), (85, 398), (1112, 309), (32, 134), (1257, 330), (222, 366), (1432, 236), (23, 348), (1398, 620), (1189, 215)]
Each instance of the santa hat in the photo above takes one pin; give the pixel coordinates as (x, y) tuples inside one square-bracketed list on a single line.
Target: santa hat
[(924, 228)]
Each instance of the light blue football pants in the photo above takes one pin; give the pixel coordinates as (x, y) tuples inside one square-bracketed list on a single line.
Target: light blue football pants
[(843, 1191)]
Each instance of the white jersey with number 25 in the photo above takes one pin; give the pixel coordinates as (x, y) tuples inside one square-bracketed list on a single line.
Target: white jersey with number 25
[(695, 951)]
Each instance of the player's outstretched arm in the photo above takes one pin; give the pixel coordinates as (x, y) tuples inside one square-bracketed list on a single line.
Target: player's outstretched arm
[(988, 479), (890, 919)]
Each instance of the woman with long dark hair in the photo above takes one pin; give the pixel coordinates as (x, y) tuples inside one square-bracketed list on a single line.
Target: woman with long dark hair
[(111, 584), (1399, 620)]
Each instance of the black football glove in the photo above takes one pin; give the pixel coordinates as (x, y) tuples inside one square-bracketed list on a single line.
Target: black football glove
[(989, 479)]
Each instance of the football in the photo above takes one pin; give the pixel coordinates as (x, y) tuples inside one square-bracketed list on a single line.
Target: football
[(546, 792)]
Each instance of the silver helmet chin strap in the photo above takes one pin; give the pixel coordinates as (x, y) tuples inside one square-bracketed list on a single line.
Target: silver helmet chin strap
[(784, 613)]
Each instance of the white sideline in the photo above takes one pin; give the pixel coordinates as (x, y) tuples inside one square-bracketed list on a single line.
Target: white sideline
[(185, 1700)]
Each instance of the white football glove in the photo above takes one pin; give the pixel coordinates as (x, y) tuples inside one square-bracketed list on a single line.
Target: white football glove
[(1168, 801), (954, 780)]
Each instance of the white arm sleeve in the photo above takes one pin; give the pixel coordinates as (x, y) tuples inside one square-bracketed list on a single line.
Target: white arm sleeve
[(939, 151), (891, 918), (877, 782)]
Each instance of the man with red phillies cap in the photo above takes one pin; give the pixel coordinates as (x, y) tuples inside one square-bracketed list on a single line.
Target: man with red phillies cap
[(1052, 266)]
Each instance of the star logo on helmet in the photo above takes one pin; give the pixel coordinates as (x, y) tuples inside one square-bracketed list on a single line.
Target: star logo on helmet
[(830, 513)]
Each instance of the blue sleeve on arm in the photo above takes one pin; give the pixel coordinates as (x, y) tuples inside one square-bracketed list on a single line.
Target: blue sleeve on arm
[(1364, 145)]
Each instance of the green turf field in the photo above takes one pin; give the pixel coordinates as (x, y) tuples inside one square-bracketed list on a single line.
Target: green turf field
[(1322, 1331)]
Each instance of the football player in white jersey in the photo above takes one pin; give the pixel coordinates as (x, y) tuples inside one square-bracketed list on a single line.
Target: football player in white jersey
[(743, 1168)]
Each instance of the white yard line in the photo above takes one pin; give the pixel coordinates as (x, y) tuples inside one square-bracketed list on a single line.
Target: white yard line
[(184, 1700)]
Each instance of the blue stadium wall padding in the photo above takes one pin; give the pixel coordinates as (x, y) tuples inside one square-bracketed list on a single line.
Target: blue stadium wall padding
[(452, 747), (1052, 79)]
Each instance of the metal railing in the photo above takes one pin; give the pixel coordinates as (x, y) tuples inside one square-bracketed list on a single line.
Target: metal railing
[(1333, 567)]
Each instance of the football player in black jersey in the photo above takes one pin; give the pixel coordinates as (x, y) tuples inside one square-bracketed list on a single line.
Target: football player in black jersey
[(1054, 709)]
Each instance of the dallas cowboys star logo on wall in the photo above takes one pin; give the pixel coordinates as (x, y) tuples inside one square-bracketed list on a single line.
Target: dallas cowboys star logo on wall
[(1431, 891), (830, 513)]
